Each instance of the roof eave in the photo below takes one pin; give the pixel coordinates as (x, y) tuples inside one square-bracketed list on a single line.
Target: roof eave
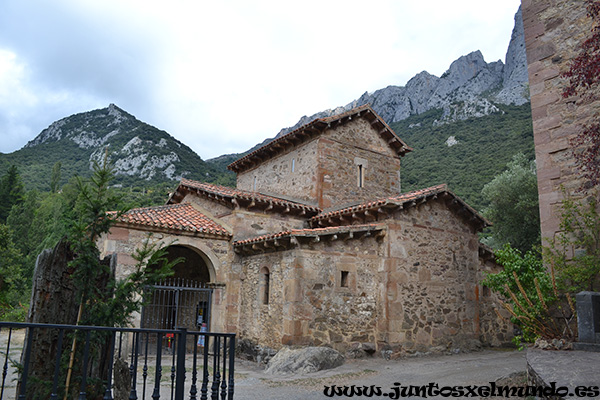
[(254, 200), (372, 211), (315, 128), (173, 231), (292, 239)]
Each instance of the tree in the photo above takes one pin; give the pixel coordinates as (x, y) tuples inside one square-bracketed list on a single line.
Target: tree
[(25, 233), (96, 295), (523, 278), (12, 282), (55, 177), (584, 79), (540, 293), (104, 299), (40, 221), (513, 206), (11, 192)]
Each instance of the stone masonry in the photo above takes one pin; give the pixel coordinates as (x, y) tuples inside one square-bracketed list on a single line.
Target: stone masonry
[(553, 31), (311, 249)]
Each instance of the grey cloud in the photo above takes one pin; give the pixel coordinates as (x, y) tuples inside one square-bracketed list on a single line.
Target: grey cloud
[(66, 48)]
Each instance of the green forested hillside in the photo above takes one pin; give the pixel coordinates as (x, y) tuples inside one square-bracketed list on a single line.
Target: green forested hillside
[(484, 147)]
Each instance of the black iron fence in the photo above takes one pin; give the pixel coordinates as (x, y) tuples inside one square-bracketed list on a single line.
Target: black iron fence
[(44, 361)]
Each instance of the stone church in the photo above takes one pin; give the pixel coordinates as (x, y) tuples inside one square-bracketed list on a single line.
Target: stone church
[(317, 245)]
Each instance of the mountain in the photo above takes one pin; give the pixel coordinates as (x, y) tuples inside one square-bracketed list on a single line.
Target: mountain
[(465, 126), (140, 153), (465, 154), (469, 88)]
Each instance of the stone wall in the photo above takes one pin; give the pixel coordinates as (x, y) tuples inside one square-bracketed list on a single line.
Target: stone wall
[(291, 175), (243, 223), (324, 171), (309, 302), (215, 253), (553, 31), (418, 289), (495, 326), (345, 149), (432, 280)]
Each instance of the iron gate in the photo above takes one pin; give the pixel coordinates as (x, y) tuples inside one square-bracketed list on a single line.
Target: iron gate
[(42, 372), (177, 303)]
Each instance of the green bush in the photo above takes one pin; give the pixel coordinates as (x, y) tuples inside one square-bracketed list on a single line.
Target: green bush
[(527, 287)]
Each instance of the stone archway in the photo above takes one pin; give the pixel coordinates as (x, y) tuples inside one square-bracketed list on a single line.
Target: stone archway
[(185, 299), (194, 266)]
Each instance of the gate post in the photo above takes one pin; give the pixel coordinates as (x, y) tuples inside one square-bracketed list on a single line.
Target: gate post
[(180, 378)]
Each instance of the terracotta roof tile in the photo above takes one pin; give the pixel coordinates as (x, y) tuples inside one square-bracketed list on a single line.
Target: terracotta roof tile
[(399, 200), (311, 232), (317, 125), (179, 217), (231, 193)]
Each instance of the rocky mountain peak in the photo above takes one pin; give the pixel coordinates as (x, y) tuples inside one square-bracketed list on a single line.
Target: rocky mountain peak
[(516, 79), (87, 130), (470, 87), (465, 68), (135, 149)]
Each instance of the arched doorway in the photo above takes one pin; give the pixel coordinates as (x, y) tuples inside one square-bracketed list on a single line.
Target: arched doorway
[(183, 300), (194, 266)]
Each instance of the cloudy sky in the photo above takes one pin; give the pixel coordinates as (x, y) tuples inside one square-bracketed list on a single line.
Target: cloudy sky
[(222, 76)]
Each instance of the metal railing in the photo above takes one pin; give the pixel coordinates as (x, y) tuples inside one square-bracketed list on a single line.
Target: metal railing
[(66, 361)]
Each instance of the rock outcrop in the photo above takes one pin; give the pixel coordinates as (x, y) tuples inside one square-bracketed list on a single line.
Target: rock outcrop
[(304, 360), (469, 88), (136, 150)]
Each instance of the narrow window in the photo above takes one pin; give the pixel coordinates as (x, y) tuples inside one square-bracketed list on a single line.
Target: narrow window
[(254, 185), (265, 282), (344, 279), (361, 175), (293, 164)]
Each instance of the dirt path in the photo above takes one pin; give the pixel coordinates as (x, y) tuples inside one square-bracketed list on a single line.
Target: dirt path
[(8, 371), (477, 368), (252, 383)]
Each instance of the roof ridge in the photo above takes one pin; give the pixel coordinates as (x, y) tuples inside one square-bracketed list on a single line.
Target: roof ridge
[(160, 206), (383, 200), (401, 147)]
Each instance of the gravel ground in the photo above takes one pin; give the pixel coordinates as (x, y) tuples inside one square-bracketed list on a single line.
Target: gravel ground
[(478, 368), (252, 383)]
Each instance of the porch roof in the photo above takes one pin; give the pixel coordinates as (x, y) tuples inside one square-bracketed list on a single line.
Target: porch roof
[(181, 218), (294, 237), (371, 210)]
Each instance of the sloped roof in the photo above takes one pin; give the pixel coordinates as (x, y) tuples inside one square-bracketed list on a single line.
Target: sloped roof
[(315, 128), (182, 218), (291, 238), (310, 232), (404, 200), (231, 197)]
